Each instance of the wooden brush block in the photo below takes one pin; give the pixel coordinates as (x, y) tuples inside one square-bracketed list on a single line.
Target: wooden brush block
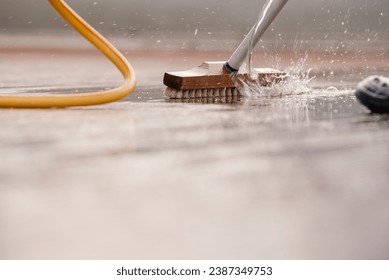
[(213, 75)]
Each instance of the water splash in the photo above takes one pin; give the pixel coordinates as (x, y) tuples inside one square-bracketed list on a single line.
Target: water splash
[(296, 81)]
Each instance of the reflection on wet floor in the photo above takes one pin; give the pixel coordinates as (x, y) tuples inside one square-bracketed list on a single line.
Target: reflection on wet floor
[(329, 103), (318, 105)]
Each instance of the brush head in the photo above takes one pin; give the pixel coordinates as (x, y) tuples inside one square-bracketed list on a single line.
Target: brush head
[(211, 79), (201, 93)]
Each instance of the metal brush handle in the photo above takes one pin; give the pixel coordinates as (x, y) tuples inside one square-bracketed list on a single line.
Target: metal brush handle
[(269, 12)]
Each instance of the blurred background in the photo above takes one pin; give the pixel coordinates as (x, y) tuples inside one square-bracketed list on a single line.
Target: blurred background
[(345, 37), (209, 17)]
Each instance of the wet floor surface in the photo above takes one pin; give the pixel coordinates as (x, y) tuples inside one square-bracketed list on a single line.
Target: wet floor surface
[(297, 176)]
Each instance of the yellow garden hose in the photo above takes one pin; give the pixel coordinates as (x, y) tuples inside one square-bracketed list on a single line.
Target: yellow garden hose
[(79, 99)]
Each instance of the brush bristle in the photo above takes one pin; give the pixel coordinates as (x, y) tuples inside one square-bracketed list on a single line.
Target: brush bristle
[(201, 93)]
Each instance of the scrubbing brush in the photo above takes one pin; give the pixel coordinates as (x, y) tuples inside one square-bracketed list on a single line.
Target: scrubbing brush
[(219, 79)]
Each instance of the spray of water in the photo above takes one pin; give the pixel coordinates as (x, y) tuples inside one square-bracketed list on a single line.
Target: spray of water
[(296, 80)]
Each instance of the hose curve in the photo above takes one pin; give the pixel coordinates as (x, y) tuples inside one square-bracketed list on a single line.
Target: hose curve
[(79, 99)]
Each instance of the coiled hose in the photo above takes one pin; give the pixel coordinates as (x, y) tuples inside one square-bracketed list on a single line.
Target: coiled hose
[(79, 99)]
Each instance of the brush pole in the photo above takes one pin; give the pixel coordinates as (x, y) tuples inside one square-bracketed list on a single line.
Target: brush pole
[(269, 12)]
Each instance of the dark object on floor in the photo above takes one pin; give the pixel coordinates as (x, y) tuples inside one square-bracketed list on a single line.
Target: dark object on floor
[(373, 92)]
